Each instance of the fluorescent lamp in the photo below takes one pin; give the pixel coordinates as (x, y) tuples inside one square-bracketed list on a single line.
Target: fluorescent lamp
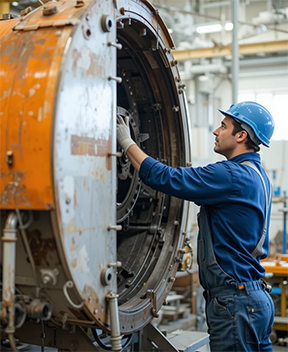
[(213, 28), (228, 26), (209, 28), (203, 78)]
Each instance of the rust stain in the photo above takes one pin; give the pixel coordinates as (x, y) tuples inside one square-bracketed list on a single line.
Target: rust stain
[(93, 304), (109, 158), (87, 229), (87, 62), (89, 146), (41, 248), (74, 262), (95, 68), (73, 247), (92, 147), (74, 66), (72, 227)]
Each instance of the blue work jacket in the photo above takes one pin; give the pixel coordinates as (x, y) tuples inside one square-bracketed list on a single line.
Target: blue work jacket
[(235, 197)]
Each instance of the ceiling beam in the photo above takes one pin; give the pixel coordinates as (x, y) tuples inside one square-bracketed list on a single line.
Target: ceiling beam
[(244, 49)]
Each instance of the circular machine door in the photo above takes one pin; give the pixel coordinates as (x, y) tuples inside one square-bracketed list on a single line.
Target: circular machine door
[(131, 72), (153, 224)]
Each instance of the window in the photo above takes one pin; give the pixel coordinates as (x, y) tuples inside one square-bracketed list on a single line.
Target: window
[(276, 103)]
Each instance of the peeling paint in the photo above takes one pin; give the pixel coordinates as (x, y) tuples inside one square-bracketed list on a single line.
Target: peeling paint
[(88, 62), (74, 262), (71, 228), (9, 49), (6, 93), (13, 191), (83, 260), (73, 247), (40, 114)]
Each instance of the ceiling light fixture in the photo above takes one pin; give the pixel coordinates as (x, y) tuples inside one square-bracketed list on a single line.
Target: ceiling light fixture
[(15, 3), (213, 28)]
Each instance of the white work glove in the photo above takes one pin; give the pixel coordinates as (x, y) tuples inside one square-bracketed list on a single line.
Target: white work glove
[(123, 133)]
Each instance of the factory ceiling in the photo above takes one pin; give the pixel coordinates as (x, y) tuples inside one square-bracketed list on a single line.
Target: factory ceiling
[(206, 25)]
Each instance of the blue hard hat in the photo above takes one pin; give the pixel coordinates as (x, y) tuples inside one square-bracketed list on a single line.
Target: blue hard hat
[(255, 116)]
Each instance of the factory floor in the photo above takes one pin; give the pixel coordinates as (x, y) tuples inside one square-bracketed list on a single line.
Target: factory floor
[(189, 321), (279, 348), (31, 348)]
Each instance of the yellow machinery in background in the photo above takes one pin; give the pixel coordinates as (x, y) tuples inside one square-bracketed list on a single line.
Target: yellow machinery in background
[(4, 7)]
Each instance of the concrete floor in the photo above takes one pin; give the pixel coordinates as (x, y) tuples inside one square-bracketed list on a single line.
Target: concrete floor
[(279, 348), (31, 348)]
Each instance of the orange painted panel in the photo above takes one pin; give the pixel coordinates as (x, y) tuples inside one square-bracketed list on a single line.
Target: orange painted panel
[(29, 70)]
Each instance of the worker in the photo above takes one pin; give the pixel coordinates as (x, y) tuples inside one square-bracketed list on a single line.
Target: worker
[(235, 198)]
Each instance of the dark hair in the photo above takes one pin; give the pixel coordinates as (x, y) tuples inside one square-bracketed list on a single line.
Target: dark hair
[(249, 144)]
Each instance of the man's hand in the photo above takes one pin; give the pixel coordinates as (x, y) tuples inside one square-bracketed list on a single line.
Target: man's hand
[(123, 133)]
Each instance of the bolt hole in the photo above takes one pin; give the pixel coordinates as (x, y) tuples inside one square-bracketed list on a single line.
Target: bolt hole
[(109, 277), (88, 32), (110, 24)]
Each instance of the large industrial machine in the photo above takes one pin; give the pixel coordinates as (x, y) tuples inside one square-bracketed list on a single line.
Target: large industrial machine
[(85, 245)]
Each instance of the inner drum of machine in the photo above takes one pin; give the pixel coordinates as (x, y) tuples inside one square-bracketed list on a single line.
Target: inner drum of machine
[(70, 186)]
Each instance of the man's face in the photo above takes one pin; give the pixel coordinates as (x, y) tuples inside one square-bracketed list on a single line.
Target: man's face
[(225, 142)]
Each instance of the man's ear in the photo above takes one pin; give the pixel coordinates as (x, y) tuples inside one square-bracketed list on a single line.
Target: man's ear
[(241, 136)]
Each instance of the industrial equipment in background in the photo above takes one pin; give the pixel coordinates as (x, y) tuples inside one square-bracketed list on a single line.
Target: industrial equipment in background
[(87, 250)]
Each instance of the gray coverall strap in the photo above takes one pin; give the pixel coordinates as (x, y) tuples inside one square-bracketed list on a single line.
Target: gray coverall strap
[(259, 248)]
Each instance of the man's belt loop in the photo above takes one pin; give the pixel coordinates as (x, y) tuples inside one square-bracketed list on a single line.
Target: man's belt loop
[(207, 295), (246, 289)]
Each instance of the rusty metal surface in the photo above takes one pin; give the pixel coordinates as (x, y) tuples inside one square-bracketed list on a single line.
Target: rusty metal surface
[(58, 14), (58, 117), (29, 71)]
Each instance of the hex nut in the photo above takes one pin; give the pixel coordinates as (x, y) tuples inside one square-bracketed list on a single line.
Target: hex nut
[(49, 10)]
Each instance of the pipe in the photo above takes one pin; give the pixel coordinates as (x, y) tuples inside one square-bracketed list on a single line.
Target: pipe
[(9, 248), (39, 310), (26, 243), (114, 321), (284, 224), (235, 51), (8, 289), (12, 342)]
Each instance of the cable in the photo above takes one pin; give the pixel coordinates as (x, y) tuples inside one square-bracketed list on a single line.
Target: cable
[(100, 343), (109, 348), (42, 335)]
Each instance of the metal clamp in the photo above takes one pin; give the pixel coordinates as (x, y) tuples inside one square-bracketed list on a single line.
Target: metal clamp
[(114, 227)]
